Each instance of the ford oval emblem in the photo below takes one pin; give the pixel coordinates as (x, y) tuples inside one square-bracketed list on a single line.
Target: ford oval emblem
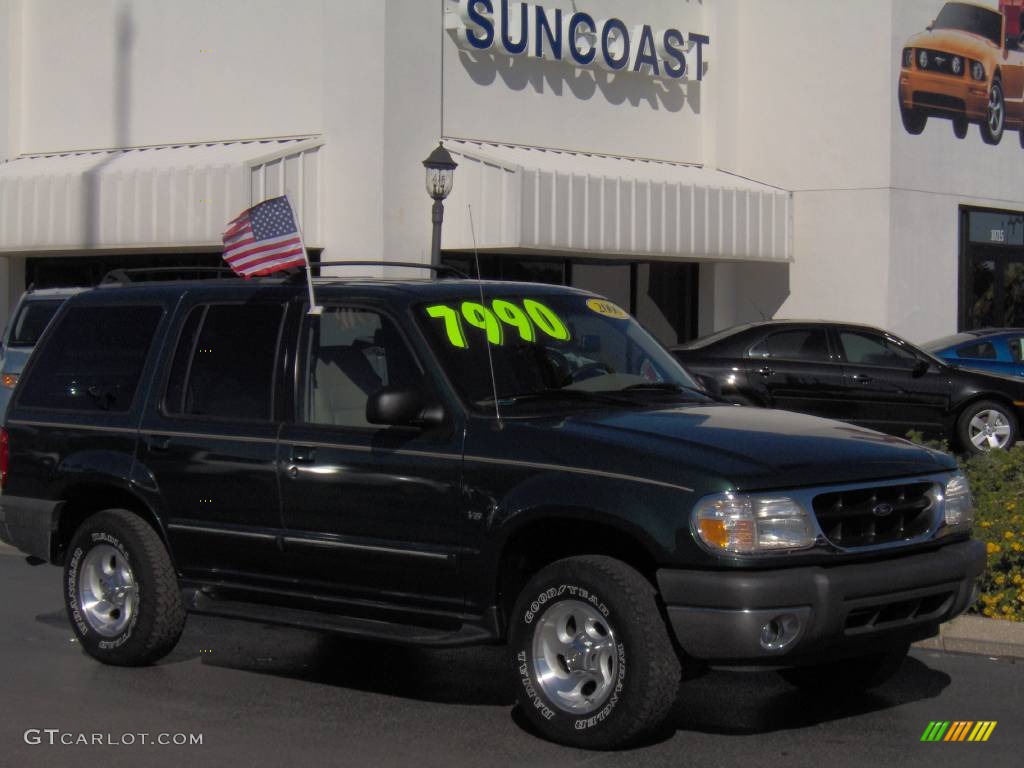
[(882, 510)]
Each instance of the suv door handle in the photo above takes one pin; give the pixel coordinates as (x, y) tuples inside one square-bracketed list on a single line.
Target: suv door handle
[(303, 454), (158, 443), (861, 378)]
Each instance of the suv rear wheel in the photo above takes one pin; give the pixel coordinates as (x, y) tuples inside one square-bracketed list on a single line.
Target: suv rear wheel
[(121, 590), (848, 675), (591, 654)]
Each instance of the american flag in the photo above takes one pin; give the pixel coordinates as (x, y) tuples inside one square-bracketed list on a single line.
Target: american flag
[(264, 239)]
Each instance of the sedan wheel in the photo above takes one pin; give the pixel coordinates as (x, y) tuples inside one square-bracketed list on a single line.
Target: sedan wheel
[(989, 429), (986, 426)]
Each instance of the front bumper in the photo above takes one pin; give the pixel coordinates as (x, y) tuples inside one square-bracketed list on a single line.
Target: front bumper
[(727, 616), (942, 93)]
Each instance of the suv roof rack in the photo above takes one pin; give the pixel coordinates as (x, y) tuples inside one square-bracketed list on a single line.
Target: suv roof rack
[(441, 269), (125, 276)]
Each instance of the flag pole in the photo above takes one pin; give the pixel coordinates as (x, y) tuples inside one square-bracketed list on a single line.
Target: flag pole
[(314, 308)]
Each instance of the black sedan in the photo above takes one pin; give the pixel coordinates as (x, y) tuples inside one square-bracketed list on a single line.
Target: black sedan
[(857, 374)]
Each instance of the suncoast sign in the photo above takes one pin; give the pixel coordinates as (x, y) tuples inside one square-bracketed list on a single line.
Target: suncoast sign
[(577, 38)]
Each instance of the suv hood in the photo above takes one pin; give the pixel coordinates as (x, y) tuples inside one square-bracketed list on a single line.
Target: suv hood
[(743, 448)]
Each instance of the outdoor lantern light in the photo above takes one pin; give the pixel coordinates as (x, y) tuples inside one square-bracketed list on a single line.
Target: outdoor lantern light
[(440, 174)]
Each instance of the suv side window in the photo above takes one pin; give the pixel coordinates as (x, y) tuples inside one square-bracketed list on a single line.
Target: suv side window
[(798, 344), (351, 353), (93, 359), (224, 364), (863, 348)]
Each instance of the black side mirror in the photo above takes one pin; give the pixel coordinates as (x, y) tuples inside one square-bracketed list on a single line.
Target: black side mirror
[(920, 368), (402, 406)]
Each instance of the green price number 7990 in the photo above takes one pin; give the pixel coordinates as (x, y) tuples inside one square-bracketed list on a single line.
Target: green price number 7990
[(526, 320)]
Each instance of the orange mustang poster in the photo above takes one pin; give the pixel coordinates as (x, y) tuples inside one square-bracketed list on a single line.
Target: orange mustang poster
[(967, 67)]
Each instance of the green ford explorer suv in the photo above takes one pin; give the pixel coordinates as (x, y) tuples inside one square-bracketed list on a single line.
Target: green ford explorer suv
[(445, 462)]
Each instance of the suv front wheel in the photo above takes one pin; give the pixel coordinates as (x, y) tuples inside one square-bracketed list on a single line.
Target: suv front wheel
[(591, 654), (121, 590)]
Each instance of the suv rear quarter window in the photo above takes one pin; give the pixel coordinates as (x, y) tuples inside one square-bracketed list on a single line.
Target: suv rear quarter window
[(93, 359), (224, 362)]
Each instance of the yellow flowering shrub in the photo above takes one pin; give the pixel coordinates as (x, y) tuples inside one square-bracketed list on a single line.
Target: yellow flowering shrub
[(997, 482)]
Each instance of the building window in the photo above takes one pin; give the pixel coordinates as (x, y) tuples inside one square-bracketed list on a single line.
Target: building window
[(991, 268), (662, 295)]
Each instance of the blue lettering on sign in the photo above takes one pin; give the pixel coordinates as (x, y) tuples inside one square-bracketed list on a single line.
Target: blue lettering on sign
[(524, 35), (484, 22), (554, 36), (671, 41), (607, 43), (645, 51), (577, 21), (700, 41), (611, 26)]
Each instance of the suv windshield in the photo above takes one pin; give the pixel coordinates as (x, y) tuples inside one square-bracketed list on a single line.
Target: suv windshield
[(562, 347), (970, 18), (31, 321)]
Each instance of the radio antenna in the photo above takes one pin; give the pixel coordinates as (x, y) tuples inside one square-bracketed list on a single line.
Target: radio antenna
[(480, 285)]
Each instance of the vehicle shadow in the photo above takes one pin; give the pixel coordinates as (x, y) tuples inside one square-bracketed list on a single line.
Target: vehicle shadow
[(747, 703)]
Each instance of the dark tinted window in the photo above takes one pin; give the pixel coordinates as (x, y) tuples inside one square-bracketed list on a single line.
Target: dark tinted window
[(982, 350), (31, 321), (224, 364), (1015, 349), (93, 360), (351, 353), (799, 344), (865, 348), (970, 18)]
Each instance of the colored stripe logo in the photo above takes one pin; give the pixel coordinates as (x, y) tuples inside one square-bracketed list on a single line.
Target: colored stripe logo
[(959, 730)]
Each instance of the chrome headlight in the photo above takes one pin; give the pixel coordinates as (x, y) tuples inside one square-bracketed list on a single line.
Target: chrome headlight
[(922, 59), (977, 70), (908, 57), (745, 524), (958, 505), (957, 65)]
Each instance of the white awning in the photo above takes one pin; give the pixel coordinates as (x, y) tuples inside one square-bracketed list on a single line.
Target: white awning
[(168, 196), (539, 200)]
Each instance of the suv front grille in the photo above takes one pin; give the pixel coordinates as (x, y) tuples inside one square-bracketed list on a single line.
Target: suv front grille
[(867, 517)]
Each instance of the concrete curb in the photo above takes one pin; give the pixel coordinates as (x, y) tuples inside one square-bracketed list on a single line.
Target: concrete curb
[(979, 635)]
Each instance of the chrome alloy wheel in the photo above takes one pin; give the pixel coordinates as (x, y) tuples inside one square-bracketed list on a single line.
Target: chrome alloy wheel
[(108, 595), (994, 116), (575, 657), (989, 429)]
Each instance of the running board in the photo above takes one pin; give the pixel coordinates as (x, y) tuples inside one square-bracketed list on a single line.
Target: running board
[(197, 601)]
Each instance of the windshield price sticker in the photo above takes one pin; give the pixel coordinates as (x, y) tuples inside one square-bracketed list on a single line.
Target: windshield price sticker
[(525, 320), (607, 308)]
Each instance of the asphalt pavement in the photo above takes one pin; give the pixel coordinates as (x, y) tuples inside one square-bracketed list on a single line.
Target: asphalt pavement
[(259, 695)]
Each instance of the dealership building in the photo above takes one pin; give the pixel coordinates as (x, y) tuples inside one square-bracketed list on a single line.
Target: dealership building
[(700, 162)]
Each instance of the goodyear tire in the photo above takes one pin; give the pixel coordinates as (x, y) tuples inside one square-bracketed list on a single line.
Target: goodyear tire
[(121, 590), (591, 654), (848, 675)]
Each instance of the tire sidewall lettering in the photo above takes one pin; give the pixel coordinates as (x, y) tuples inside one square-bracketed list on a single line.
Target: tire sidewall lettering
[(74, 575), (524, 662)]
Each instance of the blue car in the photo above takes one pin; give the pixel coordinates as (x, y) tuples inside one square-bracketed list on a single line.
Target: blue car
[(993, 350)]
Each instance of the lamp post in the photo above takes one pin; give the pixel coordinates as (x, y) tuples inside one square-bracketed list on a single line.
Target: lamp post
[(440, 174)]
